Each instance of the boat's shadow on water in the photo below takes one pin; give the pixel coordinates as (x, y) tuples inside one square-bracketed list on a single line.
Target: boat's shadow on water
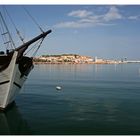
[(12, 123)]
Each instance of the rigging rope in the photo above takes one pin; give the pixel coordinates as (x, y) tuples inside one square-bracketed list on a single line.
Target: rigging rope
[(18, 32), (3, 34), (33, 19), (7, 31), (38, 47), (32, 48), (2, 29), (41, 41)]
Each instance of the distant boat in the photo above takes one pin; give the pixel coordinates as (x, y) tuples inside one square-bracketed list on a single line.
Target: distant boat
[(14, 69)]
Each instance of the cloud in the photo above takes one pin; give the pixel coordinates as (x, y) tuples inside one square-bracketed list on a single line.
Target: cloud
[(134, 17), (112, 14), (80, 13), (73, 24), (85, 18)]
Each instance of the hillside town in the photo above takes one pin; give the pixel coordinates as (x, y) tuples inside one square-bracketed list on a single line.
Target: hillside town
[(74, 59)]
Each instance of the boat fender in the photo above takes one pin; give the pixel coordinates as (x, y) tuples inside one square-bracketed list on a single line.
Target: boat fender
[(58, 88)]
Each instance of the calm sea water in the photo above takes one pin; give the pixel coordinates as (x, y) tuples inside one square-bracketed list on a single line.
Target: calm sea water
[(95, 99)]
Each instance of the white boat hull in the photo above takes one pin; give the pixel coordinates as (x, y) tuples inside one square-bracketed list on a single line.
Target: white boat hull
[(11, 82)]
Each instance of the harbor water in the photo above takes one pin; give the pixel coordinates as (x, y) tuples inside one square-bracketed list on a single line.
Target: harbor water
[(92, 100)]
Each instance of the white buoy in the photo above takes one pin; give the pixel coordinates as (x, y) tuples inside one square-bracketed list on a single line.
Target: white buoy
[(58, 88)]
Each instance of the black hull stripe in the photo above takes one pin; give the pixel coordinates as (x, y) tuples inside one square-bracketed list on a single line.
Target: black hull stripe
[(4, 82), (17, 85)]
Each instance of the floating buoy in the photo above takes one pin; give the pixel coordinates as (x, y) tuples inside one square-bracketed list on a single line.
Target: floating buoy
[(58, 88)]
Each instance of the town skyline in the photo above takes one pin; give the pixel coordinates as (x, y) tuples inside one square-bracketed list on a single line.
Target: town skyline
[(79, 59), (107, 31)]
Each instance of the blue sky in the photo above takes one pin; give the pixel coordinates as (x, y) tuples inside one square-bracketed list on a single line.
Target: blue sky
[(105, 31)]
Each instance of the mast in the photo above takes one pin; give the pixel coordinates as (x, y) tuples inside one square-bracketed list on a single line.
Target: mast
[(7, 32)]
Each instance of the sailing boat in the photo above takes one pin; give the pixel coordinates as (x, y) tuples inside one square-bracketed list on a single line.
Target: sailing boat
[(14, 69)]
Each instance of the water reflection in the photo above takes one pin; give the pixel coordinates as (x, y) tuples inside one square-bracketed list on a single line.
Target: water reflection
[(12, 123)]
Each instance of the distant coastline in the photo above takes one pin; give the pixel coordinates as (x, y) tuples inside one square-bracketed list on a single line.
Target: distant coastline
[(76, 59), (37, 63)]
